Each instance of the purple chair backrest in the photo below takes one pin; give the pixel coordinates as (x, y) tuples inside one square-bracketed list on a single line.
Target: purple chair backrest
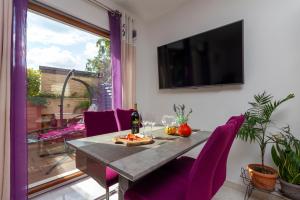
[(98, 123), (239, 119), (123, 119), (202, 175), (221, 169)]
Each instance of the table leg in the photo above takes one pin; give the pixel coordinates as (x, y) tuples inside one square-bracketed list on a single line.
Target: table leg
[(124, 184)]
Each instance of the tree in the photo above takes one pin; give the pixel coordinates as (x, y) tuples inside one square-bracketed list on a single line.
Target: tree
[(101, 62), (33, 88), (33, 82)]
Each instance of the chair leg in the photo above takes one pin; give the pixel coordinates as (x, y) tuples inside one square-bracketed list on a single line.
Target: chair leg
[(107, 193)]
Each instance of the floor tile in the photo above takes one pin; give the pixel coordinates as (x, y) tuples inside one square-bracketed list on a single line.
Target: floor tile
[(88, 189)]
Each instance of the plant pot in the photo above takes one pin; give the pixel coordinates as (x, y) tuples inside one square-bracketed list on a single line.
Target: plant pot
[(290, 190), (265, 181)]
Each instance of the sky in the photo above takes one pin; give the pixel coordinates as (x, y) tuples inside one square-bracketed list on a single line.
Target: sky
[(54, 44)]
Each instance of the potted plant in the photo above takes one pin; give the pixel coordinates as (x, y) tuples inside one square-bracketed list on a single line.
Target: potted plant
[(286, 156), (182, 118), (255, 129)]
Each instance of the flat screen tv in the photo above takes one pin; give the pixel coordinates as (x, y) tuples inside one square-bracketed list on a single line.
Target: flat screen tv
[(209, 58)]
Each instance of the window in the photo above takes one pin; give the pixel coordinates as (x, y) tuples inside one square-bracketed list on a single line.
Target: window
[(68, 72)]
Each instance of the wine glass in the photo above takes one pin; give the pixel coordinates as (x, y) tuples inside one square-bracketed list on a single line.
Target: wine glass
[(152, 124), (145, 124), (164, 121), (168, 120)]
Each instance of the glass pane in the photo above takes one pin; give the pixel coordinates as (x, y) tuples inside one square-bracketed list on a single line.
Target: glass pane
[(68, 72)]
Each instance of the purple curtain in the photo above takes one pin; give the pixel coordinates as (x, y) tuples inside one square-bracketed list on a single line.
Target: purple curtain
[(115, 48), (18, 103)]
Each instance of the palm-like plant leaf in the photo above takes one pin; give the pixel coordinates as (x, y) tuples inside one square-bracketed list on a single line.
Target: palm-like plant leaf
[(270, 107), (263, 98)]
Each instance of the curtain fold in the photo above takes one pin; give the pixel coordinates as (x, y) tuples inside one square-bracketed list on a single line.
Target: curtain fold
[(6, 7), (128, 61), (18, 103), (115, 48)]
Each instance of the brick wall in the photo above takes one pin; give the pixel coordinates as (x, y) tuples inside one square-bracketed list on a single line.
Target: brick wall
[(52, 80), (33, 117)]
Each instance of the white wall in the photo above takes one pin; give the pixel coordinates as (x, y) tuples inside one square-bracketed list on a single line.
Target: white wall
[(272, 63)]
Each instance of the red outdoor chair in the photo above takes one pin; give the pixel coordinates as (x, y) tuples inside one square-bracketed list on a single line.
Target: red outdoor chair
[(187, 178)]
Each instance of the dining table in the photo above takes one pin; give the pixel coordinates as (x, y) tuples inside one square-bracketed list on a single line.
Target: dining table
[(94, 154)]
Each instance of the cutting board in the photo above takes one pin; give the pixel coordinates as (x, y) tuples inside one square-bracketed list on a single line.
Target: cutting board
[(140, 141)]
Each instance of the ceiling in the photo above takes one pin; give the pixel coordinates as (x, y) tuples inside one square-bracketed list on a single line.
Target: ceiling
[(149, 10)]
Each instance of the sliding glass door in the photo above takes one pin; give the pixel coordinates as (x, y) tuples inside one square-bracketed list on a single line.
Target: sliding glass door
[(68, 72)]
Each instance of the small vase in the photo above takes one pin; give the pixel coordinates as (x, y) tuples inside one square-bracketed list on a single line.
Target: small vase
[(184, 130)]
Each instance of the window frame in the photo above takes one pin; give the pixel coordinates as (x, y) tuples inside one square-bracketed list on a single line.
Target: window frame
[(67, 19)]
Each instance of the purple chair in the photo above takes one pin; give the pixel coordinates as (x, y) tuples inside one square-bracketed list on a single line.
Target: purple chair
[(98, 123), (222, 167), (187, 178), (123, 119)]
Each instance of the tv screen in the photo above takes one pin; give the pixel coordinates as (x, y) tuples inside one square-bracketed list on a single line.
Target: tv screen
[(209, 58)]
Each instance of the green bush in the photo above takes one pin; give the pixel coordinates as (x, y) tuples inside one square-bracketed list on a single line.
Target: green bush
[(48, 95), (37, 101), (83, 105), (33, 82)]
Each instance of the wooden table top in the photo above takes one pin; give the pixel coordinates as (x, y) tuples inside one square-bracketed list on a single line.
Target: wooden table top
[(137, 161)]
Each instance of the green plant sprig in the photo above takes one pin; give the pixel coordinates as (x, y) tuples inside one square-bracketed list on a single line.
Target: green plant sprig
[(180, 113)]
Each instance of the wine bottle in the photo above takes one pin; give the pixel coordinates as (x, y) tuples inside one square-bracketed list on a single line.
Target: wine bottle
[(135, 121)]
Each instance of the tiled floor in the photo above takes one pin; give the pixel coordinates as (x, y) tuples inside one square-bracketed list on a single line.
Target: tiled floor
[(85, 189), (88, 189), (41, 168)]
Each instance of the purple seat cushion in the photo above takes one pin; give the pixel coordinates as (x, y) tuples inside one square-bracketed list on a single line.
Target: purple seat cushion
[(97, 123), (160, 185), (124, 118), (111, 177)]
